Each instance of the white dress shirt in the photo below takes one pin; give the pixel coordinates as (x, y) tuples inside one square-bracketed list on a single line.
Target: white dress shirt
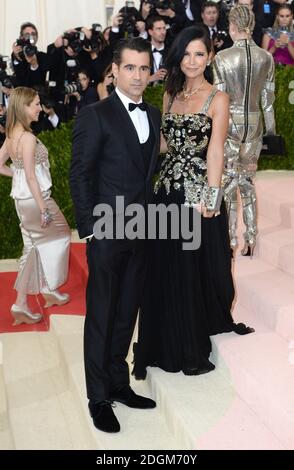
[(139, 117), (189, 13), (212, 30), (157, 58)]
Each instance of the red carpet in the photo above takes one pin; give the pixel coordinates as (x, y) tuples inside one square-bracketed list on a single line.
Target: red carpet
[(75, 286)]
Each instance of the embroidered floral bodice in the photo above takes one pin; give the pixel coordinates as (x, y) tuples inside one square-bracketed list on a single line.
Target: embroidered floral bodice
[(20, 188), (185, 166)]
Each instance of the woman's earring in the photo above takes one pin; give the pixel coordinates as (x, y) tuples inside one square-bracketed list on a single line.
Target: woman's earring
[(208, 64)]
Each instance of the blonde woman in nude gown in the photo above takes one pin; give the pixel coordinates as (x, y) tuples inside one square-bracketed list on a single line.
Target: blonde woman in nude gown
[(46, 236)]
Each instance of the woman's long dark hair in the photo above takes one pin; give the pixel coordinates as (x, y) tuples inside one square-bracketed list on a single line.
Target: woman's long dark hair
[(175, 78)]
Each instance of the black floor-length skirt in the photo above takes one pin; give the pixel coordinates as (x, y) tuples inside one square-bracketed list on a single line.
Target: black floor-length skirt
[(188, 296)]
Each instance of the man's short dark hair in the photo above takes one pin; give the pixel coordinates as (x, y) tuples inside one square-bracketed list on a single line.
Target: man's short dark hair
[(208, 5), (153, 19), (134, 44), (27, 25)]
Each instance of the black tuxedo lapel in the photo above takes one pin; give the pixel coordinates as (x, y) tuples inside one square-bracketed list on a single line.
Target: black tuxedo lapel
[(154, 155), (128, 131)]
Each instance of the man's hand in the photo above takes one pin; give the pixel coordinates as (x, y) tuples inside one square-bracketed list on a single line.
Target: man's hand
[(169, 12), (159, 75), (16, 50), (59, 42), (218, 44), (49, 111), (117, 20)]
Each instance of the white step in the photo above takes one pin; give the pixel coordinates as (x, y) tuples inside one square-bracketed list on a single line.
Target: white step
[(41, 410), (266, 291), (190, 410), (262, 370), (6, 438), (140, 429)]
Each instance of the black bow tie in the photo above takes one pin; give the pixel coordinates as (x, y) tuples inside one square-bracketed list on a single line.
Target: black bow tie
[(156, 50), (133, 106)]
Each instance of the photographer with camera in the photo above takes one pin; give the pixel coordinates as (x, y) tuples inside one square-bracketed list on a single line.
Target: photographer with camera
[(156, 28), (210, 13), (279, 40), (87, 93), (99, 51), (128, 22), (65, 58), (29, 64), (174, 14), (6, 82)]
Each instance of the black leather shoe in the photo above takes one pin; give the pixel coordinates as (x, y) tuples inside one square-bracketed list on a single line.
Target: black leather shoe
[(128, 397), (103, 416)]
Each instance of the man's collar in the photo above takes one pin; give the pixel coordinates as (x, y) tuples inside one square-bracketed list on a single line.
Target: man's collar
[(125, 99)]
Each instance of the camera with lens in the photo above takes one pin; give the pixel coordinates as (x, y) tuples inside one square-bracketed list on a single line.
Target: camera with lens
[(73, 87), (228, 4), (28, 46), (130, 16), (220, 35), (5, 80), (3, 62), (96, 42), (76, 40)]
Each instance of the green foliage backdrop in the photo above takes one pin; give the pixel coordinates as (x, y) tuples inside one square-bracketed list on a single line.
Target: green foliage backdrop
[(59, 147)]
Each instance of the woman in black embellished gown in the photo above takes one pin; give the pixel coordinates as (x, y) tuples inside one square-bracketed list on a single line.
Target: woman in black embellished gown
[(189, 293)]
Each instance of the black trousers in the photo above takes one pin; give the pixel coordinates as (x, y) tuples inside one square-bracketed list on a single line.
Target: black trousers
[(115, 284)]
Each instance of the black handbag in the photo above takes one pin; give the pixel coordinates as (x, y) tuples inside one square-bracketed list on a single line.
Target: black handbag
[(273, 145)]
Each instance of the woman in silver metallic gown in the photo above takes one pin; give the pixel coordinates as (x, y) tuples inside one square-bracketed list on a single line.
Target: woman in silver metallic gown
[(45, 232)]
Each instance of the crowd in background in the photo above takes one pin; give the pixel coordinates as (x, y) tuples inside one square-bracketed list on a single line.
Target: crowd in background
[(76, 69)]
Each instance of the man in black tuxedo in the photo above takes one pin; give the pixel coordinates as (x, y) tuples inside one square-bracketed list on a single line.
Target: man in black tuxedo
[(156, 28), (115, 149)]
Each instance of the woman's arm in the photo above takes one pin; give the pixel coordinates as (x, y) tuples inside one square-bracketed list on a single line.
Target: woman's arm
[(265, 42), (4, 156), (215, 152), (291, 49), (28, 148)]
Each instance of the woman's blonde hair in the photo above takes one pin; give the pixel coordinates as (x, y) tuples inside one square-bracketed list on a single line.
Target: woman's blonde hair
[(243, 18), (19, 98), (284, 6)]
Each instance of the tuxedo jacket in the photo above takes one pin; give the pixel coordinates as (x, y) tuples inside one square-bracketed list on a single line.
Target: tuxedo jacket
[(107, 160)]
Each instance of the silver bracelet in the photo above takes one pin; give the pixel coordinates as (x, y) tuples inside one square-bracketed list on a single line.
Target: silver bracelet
[(47, 216), (213, 198)]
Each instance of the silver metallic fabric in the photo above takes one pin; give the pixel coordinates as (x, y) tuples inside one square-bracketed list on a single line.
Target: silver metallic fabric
[(246, 73)]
